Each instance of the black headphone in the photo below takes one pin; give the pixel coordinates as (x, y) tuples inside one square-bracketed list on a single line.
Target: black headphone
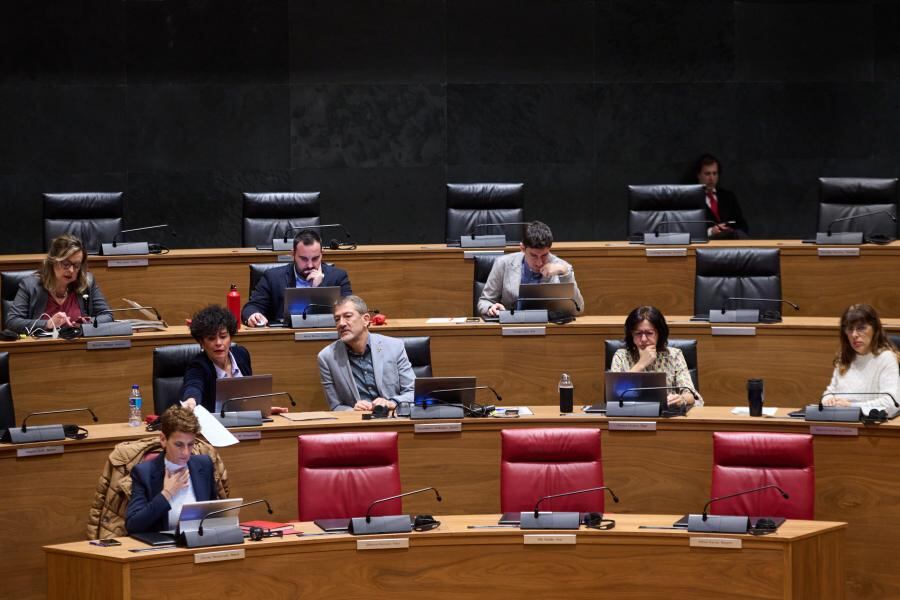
[(595, 520), (335, 244), (425, 523), (258, 533), (75, 432)]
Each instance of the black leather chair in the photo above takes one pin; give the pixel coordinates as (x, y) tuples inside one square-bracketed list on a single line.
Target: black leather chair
[(271, 215), (169, 366), (687, 347), (7, 411), (483, 265), (9, 286), (737, 273), (257, 270), (95, 217), (650, 206), (841, 197), (471, 204), (418, 350)]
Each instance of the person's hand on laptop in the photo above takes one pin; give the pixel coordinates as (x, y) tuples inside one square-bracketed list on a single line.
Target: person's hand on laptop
[(495, 308), (551, 269), (257, 320)]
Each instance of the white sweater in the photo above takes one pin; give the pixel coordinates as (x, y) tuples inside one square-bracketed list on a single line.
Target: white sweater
[(868, 373)]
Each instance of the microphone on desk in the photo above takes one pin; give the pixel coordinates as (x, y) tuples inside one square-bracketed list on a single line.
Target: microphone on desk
[(738, 298), (750, 315), (557, 520), (674, 388), (225, 510), (333, 244), (306, 310), (386, 524), (44, 433), (121, 234), (888, 394), (860, 215), (473, 411), (563, 299), (474, 228), (726, 523)]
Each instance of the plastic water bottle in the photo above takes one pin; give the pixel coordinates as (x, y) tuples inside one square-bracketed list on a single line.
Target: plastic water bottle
[(135, 419), (566, 394)]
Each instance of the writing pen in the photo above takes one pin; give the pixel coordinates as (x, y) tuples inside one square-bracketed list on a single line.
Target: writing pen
[(151, 548), (303, 534), (661, 527), (491, 526)]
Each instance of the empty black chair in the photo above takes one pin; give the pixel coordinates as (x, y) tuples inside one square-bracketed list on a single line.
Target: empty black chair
[(737, 273), (271, 215), (94, 217), (418, 350), (257, 270), (667, 207), (687, 347), (169, 366), (471, 204), (9, 286), (7, 412), (841, 197), (483, 265)]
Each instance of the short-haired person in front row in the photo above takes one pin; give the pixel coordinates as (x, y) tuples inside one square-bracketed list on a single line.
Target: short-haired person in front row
[(647, 351), (533, 264), (160, 487), (62, 290), (213, 327), (307, 270), (362, 370), (865, 364)]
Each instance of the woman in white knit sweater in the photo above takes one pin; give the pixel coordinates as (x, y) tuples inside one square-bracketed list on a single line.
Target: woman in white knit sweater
[(866, 365)]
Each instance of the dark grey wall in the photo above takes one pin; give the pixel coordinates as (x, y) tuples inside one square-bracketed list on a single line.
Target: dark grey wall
[(183, 104)]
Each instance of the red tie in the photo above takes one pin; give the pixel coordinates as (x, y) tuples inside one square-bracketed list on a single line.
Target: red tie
[(713, 204)]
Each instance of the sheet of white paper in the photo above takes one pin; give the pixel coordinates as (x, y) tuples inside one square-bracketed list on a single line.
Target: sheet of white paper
[(214, 432), (744, 410), (523, 410), (437, 320)]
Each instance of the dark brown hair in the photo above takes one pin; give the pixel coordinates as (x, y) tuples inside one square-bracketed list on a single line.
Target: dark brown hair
[(656, 318), (855, 315), (177, 419)]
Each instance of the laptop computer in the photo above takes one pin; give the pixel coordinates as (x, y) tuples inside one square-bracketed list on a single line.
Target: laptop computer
[(617, 385), (240, 387), (190, 511), (557, 298), (320, 300), (426, 390)]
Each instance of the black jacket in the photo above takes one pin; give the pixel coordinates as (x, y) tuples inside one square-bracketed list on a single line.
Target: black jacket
[(268, 297), (200, 377), (729, 210), (148, 509)]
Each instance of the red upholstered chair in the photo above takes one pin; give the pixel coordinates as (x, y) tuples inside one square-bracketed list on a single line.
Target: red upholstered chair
[(540, 462), (744, 461), (341, 474)]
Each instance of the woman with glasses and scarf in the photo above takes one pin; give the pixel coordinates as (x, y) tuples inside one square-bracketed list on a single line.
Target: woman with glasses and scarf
[(62, 293)]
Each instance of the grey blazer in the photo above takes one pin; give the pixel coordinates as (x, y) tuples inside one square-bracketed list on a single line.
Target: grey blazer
[(394, 375), (31, 300), (503, 283)]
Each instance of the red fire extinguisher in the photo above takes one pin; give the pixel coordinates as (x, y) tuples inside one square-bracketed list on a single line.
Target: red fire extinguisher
[(234, 303)]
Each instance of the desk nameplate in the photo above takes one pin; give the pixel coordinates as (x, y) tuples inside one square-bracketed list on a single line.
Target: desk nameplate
[(720, 543), (218, 556), (127, 262), (514, 331), (306, 336), (825, 252), (437, 428), (829, 430), (39, 451), (247, 435), (632, 425), (666, 252), (108, 344), (733, 330), (561, 539), (383, 544)]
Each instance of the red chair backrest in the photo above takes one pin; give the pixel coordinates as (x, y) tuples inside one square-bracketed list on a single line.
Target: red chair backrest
[(743, 461), (341, 474), (540, 462)]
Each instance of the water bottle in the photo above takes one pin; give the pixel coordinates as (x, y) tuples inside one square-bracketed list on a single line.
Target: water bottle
[(566, 394), (134, 407), (233, 301)]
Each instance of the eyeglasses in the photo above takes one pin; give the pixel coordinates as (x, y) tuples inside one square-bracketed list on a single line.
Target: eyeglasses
[(857, 329), (68, 265), (643, 334)]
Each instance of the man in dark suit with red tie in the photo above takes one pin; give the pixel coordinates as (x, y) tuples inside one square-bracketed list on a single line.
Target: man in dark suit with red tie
[(721, 205)]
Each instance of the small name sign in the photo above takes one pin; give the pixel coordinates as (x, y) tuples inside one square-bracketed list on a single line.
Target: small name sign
[(831, 430), (733, 330), (524, 330), (39, 451), (710, 542), (108, 344), (127, 262), (437, 428), (247, 435), (218, 556), (657, 252), (823, 252), (383, 544), (305, 336), (632, 425), (284, 258), (566, 539)]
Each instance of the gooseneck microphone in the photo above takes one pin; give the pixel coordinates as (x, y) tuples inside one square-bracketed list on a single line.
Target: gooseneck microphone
[(380, 500), (110, 311), (55, 412), (239, 398), (466, 389), (778, 300), (659, 226), (503, 224), (572, 300), (291, 230), (888, 394), (860, 215), (225, 510), (675, 388), (310, 305), (576, 492), (784, 495), (116, 238)]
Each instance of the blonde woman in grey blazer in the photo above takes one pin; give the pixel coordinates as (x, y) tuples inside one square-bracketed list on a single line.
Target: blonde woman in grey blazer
[(379, 360), (502, 288)]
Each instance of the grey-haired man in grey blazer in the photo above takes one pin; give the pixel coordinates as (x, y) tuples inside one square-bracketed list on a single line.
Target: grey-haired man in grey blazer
[(533, 264), (363, 370)]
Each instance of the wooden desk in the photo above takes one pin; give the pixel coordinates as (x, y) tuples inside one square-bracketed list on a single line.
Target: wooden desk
[(432, 280), (793, 357), (802, 560), (46, 498)]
